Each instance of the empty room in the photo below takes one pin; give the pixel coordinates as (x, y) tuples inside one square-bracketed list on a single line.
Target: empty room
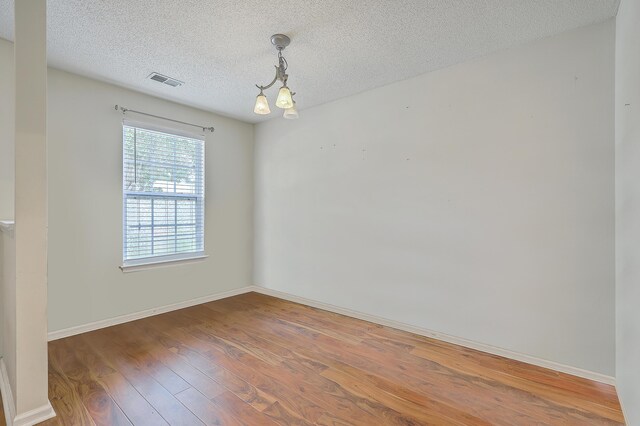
[(369, 212)]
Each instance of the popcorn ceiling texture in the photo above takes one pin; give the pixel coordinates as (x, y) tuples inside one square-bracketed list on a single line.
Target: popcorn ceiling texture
[(221, 48)]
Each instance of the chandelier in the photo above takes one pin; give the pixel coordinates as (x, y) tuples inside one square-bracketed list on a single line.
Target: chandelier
[(285, 97)]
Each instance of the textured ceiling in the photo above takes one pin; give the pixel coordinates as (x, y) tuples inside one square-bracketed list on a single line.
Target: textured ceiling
[(221, 48)]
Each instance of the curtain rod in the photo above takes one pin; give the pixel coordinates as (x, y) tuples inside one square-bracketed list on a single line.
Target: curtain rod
[(125, 110)]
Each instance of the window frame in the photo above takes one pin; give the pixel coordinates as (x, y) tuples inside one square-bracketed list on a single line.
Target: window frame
[(148, 262)]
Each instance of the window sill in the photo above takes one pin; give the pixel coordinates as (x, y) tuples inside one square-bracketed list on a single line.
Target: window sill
[(145, 264)]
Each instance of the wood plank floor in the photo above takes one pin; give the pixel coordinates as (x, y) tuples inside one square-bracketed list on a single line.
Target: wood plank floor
[(258, 360), (3, 421)]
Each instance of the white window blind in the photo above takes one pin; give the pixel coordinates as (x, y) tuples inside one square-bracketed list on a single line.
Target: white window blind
[(163, 194)]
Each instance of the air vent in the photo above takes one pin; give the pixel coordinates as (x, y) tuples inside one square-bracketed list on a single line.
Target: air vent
[(165, 80), (173, 83)]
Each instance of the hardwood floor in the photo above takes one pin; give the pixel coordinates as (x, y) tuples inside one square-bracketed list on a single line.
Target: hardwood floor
[(257, 360), (3, 421)]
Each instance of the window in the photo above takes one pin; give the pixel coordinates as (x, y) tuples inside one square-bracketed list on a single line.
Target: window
[(163, 195)]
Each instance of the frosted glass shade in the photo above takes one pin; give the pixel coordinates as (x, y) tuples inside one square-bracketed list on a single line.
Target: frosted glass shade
[(284, 98), (291, 113), (262, 105)]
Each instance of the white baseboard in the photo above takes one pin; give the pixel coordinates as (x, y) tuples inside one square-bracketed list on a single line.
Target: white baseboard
[(72, 331), (35, 416), (598, 377), (7, 394), (29, 418), (59, 334), (622, 407)]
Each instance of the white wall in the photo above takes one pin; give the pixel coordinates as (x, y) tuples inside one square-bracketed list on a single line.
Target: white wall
[(7, 303), (7, 117), (31, 368), (7, 126), (85, 205), (7, 243), (628, 208), (476, 201)]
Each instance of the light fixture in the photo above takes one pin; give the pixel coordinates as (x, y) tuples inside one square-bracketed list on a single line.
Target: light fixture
[(284, 99), (262, 105), (291, 113)]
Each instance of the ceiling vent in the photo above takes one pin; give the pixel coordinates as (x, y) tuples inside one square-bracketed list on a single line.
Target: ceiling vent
[(165, 80)]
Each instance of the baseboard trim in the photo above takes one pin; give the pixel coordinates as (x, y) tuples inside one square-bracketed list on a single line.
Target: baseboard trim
[(591, 375), (7, 394), (35, 416), (622, 407), (72, 331), (29, 418)]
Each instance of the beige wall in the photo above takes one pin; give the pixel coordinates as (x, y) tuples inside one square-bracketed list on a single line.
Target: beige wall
[(476, 201), (628, 208)]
